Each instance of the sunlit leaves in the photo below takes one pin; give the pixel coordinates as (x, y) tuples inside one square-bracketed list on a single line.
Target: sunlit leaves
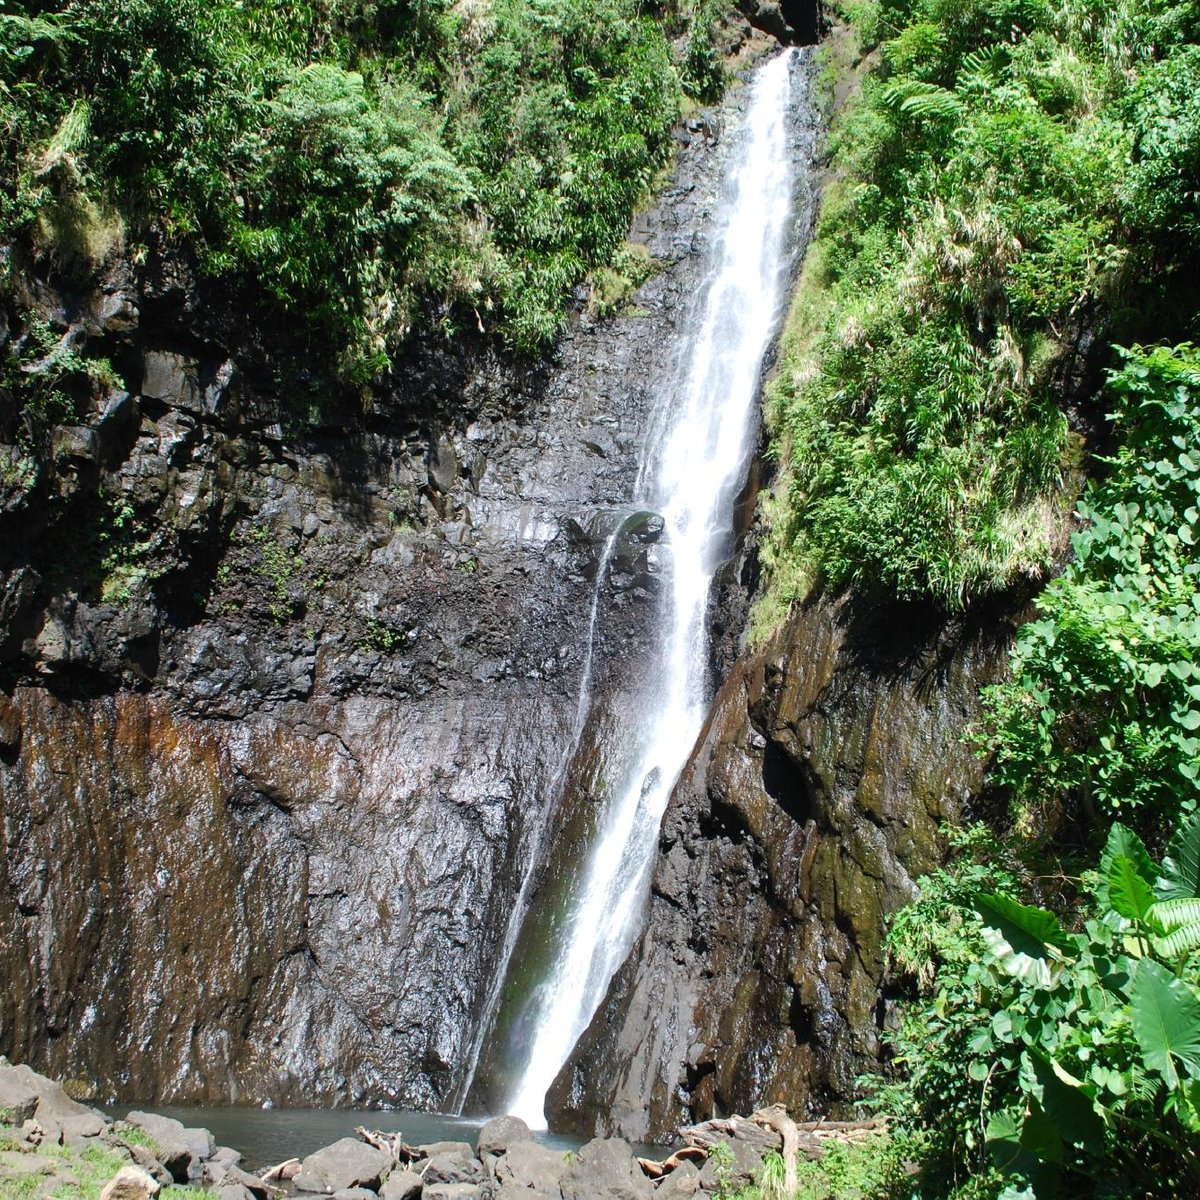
[(1105, 704)]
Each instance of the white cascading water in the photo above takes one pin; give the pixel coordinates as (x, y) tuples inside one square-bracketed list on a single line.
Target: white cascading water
[(691, 478)]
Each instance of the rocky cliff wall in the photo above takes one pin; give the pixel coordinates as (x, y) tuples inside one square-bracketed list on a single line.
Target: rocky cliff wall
[(289, 684), (817, 793)]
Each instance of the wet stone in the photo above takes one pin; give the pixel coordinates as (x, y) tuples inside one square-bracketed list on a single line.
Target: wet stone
[(402, 1185), (500, 1134), (347, 1163)]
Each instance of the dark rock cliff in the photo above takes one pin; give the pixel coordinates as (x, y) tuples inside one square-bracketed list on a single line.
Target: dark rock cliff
[(817, 793), (286, 697)]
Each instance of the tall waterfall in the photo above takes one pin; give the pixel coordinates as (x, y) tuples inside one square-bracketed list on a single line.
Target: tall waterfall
[(691, 474)]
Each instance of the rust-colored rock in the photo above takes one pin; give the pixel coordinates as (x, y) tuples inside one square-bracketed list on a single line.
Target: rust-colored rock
[(10, 724)]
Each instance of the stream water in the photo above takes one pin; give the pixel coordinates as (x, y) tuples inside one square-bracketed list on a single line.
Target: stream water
[(692, 470)]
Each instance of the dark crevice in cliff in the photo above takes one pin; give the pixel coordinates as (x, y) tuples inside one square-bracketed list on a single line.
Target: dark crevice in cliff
[(785, 783)]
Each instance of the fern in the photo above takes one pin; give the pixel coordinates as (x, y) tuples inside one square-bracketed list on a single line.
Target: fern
[(922, 100)]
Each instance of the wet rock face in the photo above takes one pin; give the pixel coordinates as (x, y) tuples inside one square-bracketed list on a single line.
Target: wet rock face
[(814, 798), (284, 698)]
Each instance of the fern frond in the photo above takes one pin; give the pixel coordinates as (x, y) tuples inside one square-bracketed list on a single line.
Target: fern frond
[(919, 99)]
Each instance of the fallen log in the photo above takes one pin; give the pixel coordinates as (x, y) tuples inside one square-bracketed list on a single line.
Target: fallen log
[(764, 1131), (776, 1118)]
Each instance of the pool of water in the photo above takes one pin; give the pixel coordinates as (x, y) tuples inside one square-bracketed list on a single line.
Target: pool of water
[(266, 1136)]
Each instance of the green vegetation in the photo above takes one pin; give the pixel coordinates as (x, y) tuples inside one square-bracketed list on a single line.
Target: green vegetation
[(52, 378), (81, 1174), (367, 164), (277, 567), (1045, 1061), (1013, 172), (1101, 714), (1014, 191), (1055, 1050)]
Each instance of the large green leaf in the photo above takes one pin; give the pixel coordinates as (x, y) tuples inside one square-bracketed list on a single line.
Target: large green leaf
[(1021, 938), (1004, 1140), (1180, 878), (1123, 842), (1165, 1015), (1129, 892), (1040, 1135), (1068, 1104)]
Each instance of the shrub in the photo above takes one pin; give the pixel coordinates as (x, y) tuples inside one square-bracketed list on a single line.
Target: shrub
[(1101, 715)]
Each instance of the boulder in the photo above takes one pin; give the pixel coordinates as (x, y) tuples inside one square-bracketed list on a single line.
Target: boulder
[(144, 1157), (16, 1164), (170, 1142), (682, 1182), (531, 1169), (234, 1191), (605, 1169), (450, 1191), (434, 1148), (355, 1193), (452, 1166), (402, 1185), (347, 1163), (131, 1183), (746, 1164), (498, 1135), (227, 1174), (200, 1142), (18, 1097), (54, 1110)]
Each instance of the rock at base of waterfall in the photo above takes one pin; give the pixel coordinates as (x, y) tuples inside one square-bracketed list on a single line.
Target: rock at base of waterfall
[(131, 1183), (450, 1191), (145, 1158), (452, 1166), (605, 1169), (500, 1134), (171, 1143), (230, 1175), (747, 1163), (345, 1164), (682, 1182), (402, 1185), (529, 1170), (27, 1095)]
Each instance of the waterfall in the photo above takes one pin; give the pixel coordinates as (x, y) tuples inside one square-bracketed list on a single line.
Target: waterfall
[(691, 475)]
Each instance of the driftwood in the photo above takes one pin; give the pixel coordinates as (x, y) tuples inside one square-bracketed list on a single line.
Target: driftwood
[(656, 1170), (768, 1129), (776, 1118), (281, 1170), (392, 1143), (720, 1129)]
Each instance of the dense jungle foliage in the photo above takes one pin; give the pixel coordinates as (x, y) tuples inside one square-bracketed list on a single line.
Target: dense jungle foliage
[(999, 305), (1013, 174), (370, 163)]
